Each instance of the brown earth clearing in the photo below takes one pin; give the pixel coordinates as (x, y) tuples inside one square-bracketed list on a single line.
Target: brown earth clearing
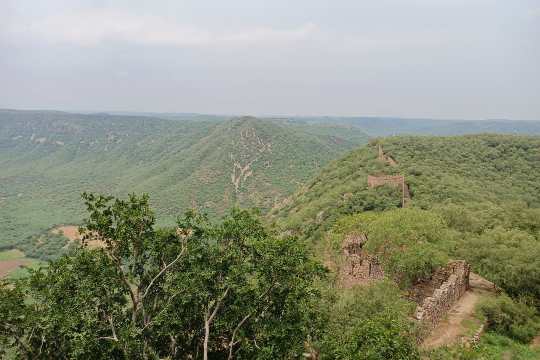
[(69, 231), (6, 266), (72, 233)]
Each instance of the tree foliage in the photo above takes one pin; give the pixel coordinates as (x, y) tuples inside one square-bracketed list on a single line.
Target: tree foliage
[(370, 323), (202, 290)]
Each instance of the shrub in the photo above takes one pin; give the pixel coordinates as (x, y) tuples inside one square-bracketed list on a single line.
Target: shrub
[(369, 323), (514, 319)]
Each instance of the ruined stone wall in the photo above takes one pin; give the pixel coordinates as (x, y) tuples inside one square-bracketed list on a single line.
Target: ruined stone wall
[(359, 266), (394, 180), (386, 158), (433, 308)]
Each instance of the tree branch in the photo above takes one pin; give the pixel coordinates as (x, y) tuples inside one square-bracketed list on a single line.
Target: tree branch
[(245, 318), (163, 271), (208, 320)]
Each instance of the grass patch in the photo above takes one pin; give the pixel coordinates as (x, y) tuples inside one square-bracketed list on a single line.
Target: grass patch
[(11, 254), (23, 271)]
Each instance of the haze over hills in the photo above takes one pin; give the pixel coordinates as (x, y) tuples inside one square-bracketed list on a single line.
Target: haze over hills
[(49, 158), (389, 126)]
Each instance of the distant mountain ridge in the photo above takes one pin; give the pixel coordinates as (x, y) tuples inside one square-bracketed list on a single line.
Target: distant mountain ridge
[(49, 158), (389, 126)]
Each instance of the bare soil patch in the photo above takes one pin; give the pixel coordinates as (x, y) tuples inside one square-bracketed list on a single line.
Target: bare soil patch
[(72, 233), (6, 266), (69, 231), (535, 343)]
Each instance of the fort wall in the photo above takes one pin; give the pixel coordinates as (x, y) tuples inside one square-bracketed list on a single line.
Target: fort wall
[(433, 308)]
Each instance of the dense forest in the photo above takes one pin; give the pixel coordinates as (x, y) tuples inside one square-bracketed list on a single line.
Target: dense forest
[(49, 158), (268, 284)]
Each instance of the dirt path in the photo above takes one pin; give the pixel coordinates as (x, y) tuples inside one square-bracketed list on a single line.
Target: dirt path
[(535, 343), (450, 329), (453, 327), (6, 266)]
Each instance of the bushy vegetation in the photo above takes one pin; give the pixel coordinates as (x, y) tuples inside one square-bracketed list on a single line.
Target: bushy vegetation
[(514, 319), (491, 347), (481, 194), (200, 289), (369, 323), (409, 242)]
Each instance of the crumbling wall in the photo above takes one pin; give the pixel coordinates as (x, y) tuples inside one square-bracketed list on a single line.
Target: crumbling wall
[(394, 180), (359, 266), (433, 308), (385, 157)]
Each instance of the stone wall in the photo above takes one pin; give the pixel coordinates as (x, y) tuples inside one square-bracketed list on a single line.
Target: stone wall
[(359, 266), (394, 180), (385, 157), (433, 308)]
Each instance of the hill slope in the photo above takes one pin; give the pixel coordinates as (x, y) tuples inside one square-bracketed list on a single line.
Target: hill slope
[(475, 198), (462, 169), (49, 158)]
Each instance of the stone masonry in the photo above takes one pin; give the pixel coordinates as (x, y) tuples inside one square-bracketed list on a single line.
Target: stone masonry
[(433, 308), (359, 267), (392, 180)]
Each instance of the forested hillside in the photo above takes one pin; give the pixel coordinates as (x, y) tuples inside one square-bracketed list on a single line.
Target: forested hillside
[(49, 158), (475, 198), (255, 289), (473, 171)]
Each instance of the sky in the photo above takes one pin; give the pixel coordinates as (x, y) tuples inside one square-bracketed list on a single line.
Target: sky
[(452, 59)]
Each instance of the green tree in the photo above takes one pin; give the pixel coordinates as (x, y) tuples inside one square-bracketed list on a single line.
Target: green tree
[(201, 290), (369, 323), (514, 319)]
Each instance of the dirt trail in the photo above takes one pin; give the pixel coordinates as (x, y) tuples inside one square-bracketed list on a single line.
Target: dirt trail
[(535, 343), (453, 327)]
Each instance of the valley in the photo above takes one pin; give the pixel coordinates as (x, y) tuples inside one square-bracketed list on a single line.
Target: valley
[(49, 158), (399, 223)]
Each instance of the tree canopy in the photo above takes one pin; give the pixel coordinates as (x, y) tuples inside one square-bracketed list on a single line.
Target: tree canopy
[(200, 290)]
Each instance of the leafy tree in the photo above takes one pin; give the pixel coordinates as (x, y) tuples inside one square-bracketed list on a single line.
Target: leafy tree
[(202, 290), (510, 258)]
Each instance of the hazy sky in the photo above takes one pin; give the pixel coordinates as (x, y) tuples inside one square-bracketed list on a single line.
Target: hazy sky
[(415, 58)]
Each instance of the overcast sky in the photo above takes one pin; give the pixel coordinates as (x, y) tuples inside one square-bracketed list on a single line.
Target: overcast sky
[(471, 59)]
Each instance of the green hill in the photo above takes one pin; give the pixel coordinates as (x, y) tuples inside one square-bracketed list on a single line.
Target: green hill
[(475, 198), (49, 158), (479, 197), (466, 170)]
